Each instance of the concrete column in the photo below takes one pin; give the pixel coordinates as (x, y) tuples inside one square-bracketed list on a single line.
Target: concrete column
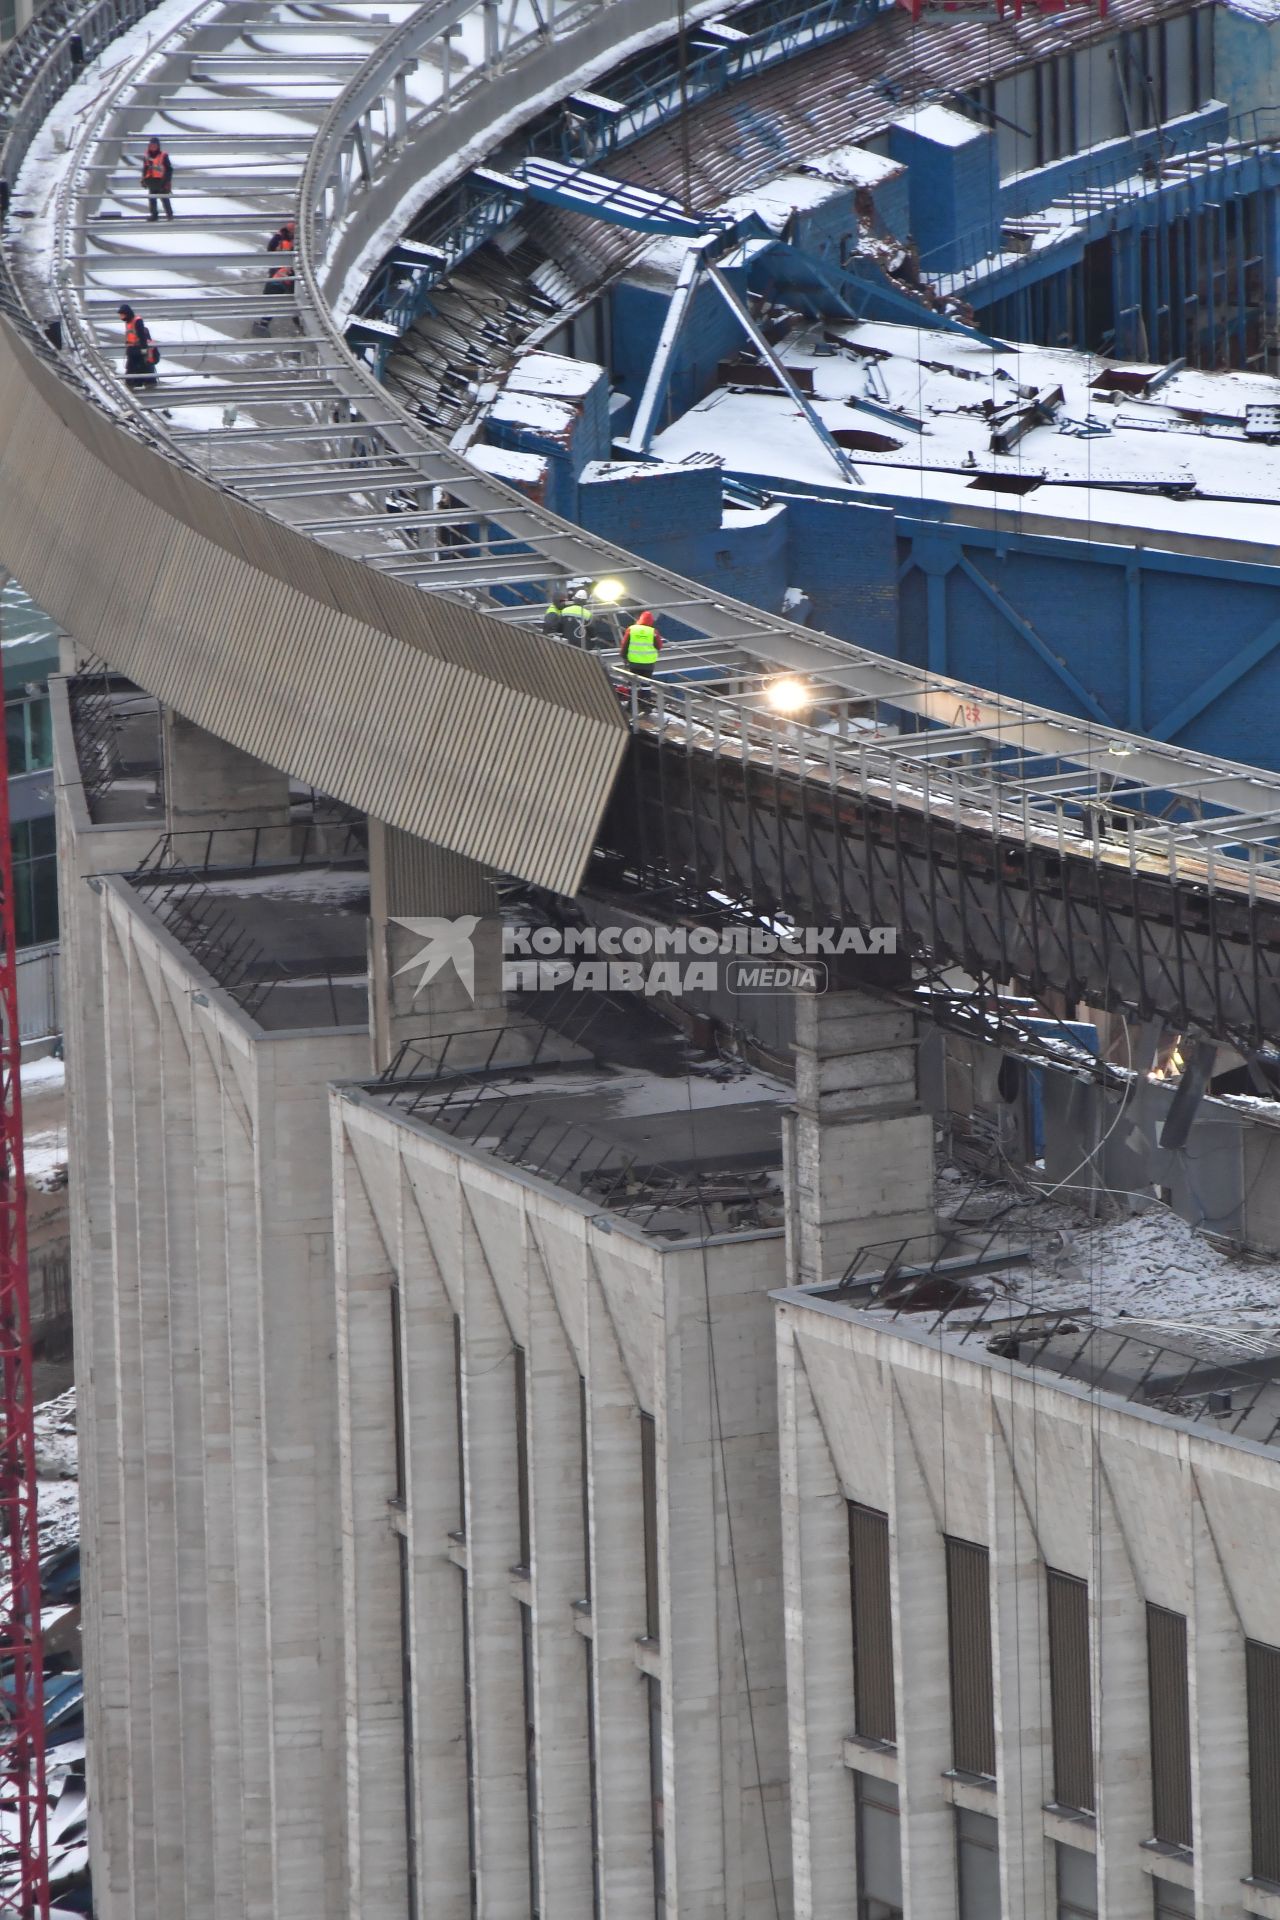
[(918, 1587), (377, 1856), (493, 1548), (134, 1708), (434, 1503), (413, 881), (820, 1693), (1122, 1726), (860, 1150), (218, 1491), (1219, 1728), (559, 1578), (177, 1121), (244, 1338), (1024, 1738), (618, 1605), (212, 787)]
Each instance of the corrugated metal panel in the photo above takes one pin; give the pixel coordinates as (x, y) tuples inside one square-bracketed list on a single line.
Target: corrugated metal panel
[(1070, 1690), (492, 742), (973, 1720), (874, 1713), (1170, 1726), (1262, 1679)]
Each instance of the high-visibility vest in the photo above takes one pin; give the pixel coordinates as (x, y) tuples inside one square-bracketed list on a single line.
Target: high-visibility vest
[(132, 338), (286, 272), (553, 608), (574, 612), (154, 166), (640, 645)]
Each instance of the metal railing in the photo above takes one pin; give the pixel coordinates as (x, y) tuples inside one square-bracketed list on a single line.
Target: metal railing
[(945, 1289), (1024, 771)]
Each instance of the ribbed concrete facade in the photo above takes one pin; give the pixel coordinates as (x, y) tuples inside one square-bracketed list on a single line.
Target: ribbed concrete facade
[(614, 1568), (1118, 1780)]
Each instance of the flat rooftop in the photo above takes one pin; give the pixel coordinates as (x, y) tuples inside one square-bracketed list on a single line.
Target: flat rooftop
[(1140, 1307), (1042, 432), (626, 1116), (289, 943)]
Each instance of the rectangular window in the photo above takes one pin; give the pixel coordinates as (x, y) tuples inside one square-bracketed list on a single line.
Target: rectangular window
[(1170, 1726), (1172, 1903), (593, 1777), (879, 1848), (406, 1681), (657, 1799), (1077, 1884), (1262, 1683), (977, 1865), (35, 881), (973, 1722), (872, 1611), (460, 1425), (525, 1557), (649, 1502), (28, 729), (1070, 1690), (584, 1468), (397, 1398), (530, 1750)]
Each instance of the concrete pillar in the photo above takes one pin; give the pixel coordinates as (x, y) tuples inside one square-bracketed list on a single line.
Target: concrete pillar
[(493, 1549), (411, 882), (820, 1692), (434, 1504), (859, 1149), (244, 1338), (377, 1858), (1122, 1726), (618, 1613), (921, 1673), (177, 1121), (559, 1579), (1024, 1738), (212, 787), (139, 1899), (1219, 1728), (219, 1491)]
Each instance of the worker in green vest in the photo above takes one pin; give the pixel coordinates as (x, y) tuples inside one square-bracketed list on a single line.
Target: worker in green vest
[(555, 611), (574, 615), (641, 645)]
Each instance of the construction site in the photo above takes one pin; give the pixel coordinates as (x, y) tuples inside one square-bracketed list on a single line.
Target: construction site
[(663, 768)]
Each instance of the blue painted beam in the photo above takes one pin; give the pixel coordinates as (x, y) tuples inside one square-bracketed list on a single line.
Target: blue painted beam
[(1027, 632), (1171, 724)]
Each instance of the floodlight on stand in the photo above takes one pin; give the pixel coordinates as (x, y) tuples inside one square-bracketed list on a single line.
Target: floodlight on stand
[(787, 695), (608, 592)]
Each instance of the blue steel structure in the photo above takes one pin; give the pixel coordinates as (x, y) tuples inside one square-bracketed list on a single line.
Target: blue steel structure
[(644, 94)]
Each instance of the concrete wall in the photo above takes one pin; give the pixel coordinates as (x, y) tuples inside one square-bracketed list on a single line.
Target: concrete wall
[(1044, 1477), (465, 1242), (202, 1258)]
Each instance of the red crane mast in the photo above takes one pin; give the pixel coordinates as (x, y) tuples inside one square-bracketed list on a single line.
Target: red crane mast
[(24, 1881)]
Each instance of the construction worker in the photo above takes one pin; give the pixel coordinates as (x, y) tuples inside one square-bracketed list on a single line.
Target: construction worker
[(554, 614), (140, 351), (641, 645), (157, 178), (574, 615), (280, 279)]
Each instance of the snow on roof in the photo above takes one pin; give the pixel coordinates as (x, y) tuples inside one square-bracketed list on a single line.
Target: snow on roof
[(555, 418), (942, 125), (1135, 443), (553, 373), (855, 166), (634, 469), (517, 469)]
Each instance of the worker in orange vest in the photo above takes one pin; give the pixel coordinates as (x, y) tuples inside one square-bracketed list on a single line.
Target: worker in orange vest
[(280, 279), (157, 178), (140, 351)]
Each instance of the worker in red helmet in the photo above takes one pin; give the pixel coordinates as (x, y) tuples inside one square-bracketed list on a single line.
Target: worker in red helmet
[(641, 645)]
